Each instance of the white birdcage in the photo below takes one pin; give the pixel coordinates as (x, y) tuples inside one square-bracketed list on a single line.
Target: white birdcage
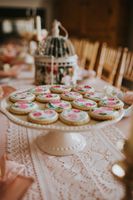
[(55, 59)]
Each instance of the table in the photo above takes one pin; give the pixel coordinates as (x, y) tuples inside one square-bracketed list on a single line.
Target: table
[(85, 175)]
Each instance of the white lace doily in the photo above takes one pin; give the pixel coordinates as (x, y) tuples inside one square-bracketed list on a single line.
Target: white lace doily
[(83, 176)]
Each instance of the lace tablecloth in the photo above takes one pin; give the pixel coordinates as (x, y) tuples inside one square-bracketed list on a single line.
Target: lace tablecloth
[(85, 175)]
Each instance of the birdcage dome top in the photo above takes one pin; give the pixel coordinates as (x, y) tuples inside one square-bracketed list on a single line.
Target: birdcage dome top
[(57, 45)]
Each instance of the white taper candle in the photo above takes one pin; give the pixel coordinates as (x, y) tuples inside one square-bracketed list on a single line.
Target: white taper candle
[(38, 28)]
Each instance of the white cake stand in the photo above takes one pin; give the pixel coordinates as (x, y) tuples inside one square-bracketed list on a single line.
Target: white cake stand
[(61, 139)]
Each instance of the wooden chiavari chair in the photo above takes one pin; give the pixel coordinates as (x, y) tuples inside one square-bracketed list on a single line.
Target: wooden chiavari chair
[(87, 52), (91, 52), (77, 45), (124, 76), (108, 63)]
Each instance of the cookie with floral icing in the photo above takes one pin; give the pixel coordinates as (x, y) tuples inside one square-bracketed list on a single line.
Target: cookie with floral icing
[(112, 102), (43, 116), (41, 89), (94, 96), (70, 96), (60, 88), (74, 117), (104, 113), (47, 97), (22, 96), (83, 89), (58, 105), (84, 104), (22, 107)]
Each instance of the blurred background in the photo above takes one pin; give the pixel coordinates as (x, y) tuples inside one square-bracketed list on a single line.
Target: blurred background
[(108, 21), (90, 23)]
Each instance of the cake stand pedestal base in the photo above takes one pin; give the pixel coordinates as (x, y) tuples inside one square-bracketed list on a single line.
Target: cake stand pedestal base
[(61, 143)]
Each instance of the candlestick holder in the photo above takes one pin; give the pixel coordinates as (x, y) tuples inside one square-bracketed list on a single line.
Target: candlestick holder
[(123, 171)]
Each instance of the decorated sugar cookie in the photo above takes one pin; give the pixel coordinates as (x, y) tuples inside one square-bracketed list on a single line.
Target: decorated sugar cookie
[(41, 89), (84, 104), (58, 105), (22, 107), (47, 97), (103, 113), (95, 96), (112, 102), (60, 88), (70, 96), (74, 117), (83, 89), (43, 116), (22, 96)]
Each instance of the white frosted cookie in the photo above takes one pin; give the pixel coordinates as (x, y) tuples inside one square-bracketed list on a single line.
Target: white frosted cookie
[(60, 88), (112, 102), (84, 104), (70, 96), (94, 96), (43, 116), (41, 89), (22, 107), (83, 89), (103, 113), (22, 96), (58, 105), (74, 117), (47, 97)]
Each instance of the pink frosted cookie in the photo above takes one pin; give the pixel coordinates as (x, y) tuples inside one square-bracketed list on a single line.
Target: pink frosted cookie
[(112, 102), (47, 97), (43, 116), (22, 96), (41, 89), (60, 88), (22, 107), (58, 105), (83, 89), (94, 96), (70, 96), (74, 117), (84, 104), (103, 113)]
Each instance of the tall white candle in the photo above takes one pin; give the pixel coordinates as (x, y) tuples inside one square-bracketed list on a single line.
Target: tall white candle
[(38, 27)]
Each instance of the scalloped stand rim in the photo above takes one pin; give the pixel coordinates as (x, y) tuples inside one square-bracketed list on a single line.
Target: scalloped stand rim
[(60, 143)]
